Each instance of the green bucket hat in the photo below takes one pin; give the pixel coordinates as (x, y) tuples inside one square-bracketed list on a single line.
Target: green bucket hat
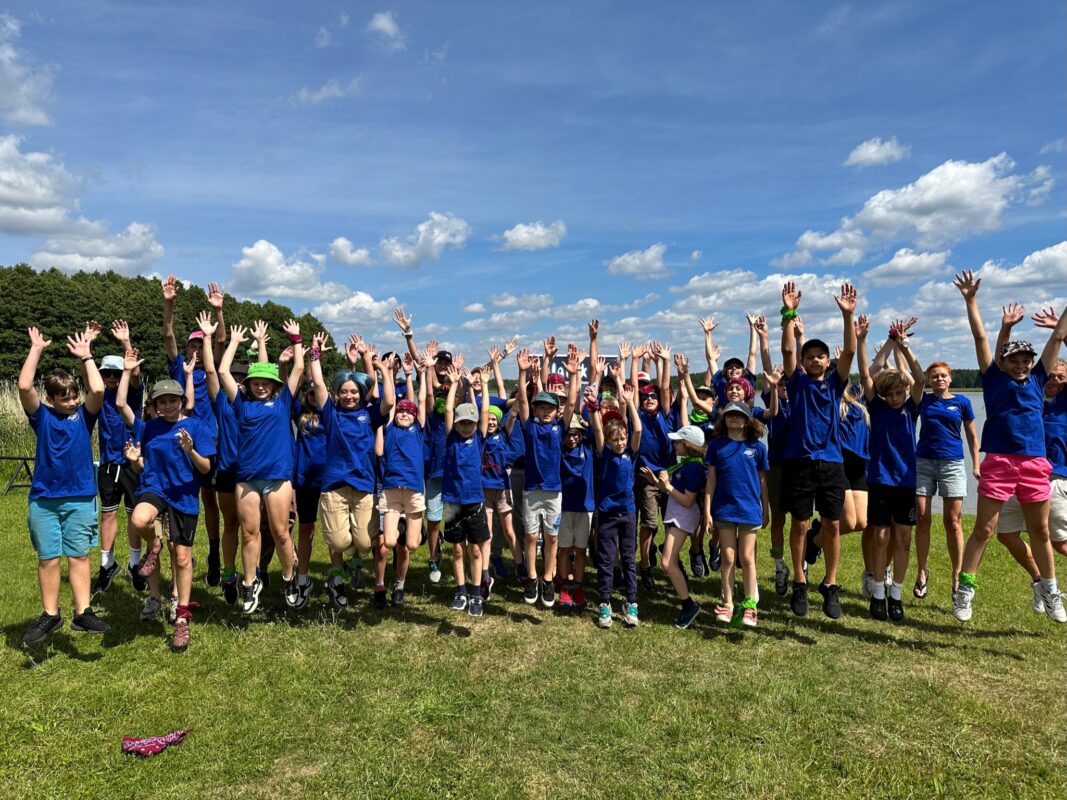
[(264, 370)]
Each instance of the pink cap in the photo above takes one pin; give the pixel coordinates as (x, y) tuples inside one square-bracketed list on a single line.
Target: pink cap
[(195, 335), (643, 376)]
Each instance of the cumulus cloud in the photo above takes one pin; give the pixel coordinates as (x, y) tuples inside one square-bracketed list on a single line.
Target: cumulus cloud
[(907, 265), (36, 191), (641, 264), (430, 238), (535, 236), (94, 250), (531, 302), (323, 37), (344, 252), (876, 152), (695, 256), (264, 271), (25, 91), (1043, 269), (474, 308), (357, 309), (343, 19), (1056, 146), (523, 310), (384, 28), (331, 90)]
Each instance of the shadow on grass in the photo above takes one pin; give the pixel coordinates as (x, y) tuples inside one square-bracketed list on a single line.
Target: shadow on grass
[(60, 642)]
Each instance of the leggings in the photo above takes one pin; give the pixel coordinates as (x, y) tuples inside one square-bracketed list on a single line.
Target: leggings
[(616, 533)]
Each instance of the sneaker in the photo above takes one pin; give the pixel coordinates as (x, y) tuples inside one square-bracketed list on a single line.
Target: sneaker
[(290, 591), (798, 603), (303, 592), (475, 607), (459, 601), (151, 608), (172, 610), (1053, 604), (214, 569), (487, 588), (714, 558), (355, 571), (335, 588), (963, 602), (529, 591), (831, 600), (379, 597), (41, 627), (724, 613), (500, 569), (548, 593), (812, 551), (250, 596), (895, 609), (104, 578), (750, 619), (878, 609), (696, 564), (579, 596), (179, 640), (603, 619), (149, 562), (566, 599), (1038, 604), (686, 616), (648, 583), (397, 598), (229, 589), (866, 585), (137, 580), (781, 578), (88, 622), (435, 572), (629, 614)]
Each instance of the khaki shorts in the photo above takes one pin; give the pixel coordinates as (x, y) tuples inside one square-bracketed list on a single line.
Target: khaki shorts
[(348, 520), (541, 512), (650, 503), (499, 500), (736, 529), (1011, 518), (574, 528), (402, 501)]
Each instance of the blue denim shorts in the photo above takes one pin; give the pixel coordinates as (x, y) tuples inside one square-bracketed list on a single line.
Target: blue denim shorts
[(63, 526), (944, 476), (435, 506)]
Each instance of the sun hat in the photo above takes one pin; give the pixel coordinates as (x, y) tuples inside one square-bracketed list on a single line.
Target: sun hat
[(166, 388), (112, 362), (465, 412), (239, 369), (546, 397), (1017, 346), (263, 370), (689, 434), (738, 408), (577, 424)]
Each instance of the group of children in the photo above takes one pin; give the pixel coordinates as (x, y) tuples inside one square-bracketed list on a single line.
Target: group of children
[(550, 469)]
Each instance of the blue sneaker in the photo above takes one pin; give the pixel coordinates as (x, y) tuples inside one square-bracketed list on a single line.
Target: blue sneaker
[(603, 619), (500, 569), (687, 615), (459, 602), (629, 614)]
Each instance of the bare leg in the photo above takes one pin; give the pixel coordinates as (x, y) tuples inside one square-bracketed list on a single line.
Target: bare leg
[(672, 547), (49, 575), (78, 575)]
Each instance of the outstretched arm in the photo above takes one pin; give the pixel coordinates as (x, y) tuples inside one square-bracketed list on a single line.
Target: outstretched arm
[(170, 291), (628, 400), (917, 374), (238, 335), (863, 325), (753, 343), (208, 327), (790, 300), (296, 374), (521, 399), (79, 345), (1051, 351), (968, 286), (450, 400), (28, 396), (847, 303), (319, 345)]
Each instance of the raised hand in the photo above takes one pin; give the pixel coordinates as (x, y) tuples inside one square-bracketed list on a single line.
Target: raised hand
[(594, 328), (627, 390), (291, 327), (600, 366), (215, 295), (426, 363), (92, 330), (189, 366), (510, 345), (407, 364), (459, 360), (773, 378), (120, 332), (131, 359), (259, 330), (716, 351), (573, 365), (132, 451), (681, 363), (1046, 318), (431, 347), (286, 355), (760, 325), (708, 324), (79, 345), (664, 351), (640, 350), (523, 359), (404, 323), (751, 319), (238, 333), (846, 301), (37, 341), (589, 395), (625, 351), (321, 341), (838, 350), (1013, 314), (967, 284), (862, 326), (535, 367), (185, 441), (791, 296), (798, 326), (207, 323), (452, 373), (170, 287), (495, 356)]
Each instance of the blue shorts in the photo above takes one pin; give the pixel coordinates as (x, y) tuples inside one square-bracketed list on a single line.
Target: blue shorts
[(944, 476), (63, 526), (435, 506)]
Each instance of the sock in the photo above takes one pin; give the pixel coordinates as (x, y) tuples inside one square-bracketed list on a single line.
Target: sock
[(896, 590), (476, 592), (399, 583), (462, 590), (968, 579), (485, 576), (303, 580), (879, 591), (1049, 587), (379, 587), (106, 559), (135, 555)]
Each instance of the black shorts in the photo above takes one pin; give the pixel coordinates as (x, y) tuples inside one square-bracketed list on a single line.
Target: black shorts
[(207, 480), (307, 503), (468, 525), (855, 471), (181, 528), (225, 480), (889, 504), (117, 484), (807, 484)]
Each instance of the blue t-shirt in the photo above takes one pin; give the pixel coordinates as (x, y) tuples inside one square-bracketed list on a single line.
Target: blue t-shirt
[(813, 430), (657, 451), (940, 434), (227, 432), (310, 448), (892, 443), (435, 445), (1056, 433), (265, 448), (855, 432), (63, 464), (576, 472), (544, 444), (350, 457), (168, 471), (202, 409), (112, 427), (614, 485), (516, 442), (403, 466), (495, 460), (738, 496), (691, 476), (462, 479), (777, 427), (1013, 424)]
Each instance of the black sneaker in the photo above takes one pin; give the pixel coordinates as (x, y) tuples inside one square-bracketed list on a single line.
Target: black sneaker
[(878, 609), (250, 596), (714, 557), (696, 563), (487, 589), (338, 595), (799, 601), (831, 602), (687, 615), (398, 596), (303, 591), (104, 577), (475, 607), (548, 593), (529, 591), (88, 622), (214, 569), (290, 591), (379, 597), (459, 601), (896, 609), (229, 589), (137, 580), (811, 550), (41, 627), (648, 583), (781, 578)]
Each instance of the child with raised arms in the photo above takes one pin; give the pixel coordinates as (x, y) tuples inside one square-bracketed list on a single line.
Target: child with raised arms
[(578, 502)]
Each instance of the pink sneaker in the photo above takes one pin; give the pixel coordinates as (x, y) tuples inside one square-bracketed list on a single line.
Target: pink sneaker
[(149, 562)]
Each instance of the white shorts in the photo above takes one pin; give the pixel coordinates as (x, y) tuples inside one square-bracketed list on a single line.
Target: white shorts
[(541, 512), (1011, 513), (574, 528)]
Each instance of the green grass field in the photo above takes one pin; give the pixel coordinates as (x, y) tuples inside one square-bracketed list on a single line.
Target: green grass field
[(527, 703)]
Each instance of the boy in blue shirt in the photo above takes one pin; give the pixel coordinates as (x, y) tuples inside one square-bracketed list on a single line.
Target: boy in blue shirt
[(62, 508)]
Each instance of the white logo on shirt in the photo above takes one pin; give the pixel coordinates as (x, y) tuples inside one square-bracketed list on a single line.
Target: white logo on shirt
[(361, 417), (749, 452), (953, 408)]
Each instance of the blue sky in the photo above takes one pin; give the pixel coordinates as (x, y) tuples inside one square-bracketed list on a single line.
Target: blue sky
[(504, 168)]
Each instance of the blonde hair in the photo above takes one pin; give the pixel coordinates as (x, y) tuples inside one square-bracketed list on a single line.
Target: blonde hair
[(613, 427), (848, 398), (889, 380)]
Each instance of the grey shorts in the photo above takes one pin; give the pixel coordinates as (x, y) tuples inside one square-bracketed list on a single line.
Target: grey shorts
[(942, 476), (1011, 518), (541, 512), (574, 528)]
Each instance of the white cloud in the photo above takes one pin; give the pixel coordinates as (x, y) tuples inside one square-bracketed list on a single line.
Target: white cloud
[(36, 191), (264, 271), (876, 152), (357, 309), (25, 91), (695, 256), (383, 26), (343, 252), (474, 308), (1042, 269), (641, 264), (532, 302), (535, 236), (331, 90), (430, 238), (344, 19), (323, 37), (1057, 146), (94, 250), (907, 265)]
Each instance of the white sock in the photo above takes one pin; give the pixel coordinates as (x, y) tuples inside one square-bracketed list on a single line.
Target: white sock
[(135, 555), (303, 580), (896, 590), (1049, 587), (106, 559), (879, 591), (400, 583)]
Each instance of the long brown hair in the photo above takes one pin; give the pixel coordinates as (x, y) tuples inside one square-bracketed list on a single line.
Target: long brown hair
[(753, 428)]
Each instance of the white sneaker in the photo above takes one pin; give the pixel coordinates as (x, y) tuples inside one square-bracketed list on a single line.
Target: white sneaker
[(435, 572), (867, 585), (1038, 604), (962, 603), (1053, 605)]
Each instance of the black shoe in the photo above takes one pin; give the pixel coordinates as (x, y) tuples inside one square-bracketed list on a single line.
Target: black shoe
[(137, 580), (229, 589), (104, 577), (88, 622), (398, 596), (214, 569), (487, 589), (290, 591), (687, 615), (548, 593), (529, 591), (250, 596), (896, 609), (714, 558), (878, 609), (41, 627), (459, 601), (831, 602), (799, 601), (337, 593), (696, 563), (811, 550), (379, 597), (648, 583), (781, 579)]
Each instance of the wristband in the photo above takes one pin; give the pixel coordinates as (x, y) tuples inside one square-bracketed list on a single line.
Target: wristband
[(408, 335), (789, 313), (295, 338), (315, 354), (87, 358), (592, 405)]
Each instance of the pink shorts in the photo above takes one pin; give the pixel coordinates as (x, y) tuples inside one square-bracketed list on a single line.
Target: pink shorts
[(1026, 477)]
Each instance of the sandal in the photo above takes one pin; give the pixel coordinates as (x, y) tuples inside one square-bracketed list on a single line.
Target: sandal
[(920, 589)]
